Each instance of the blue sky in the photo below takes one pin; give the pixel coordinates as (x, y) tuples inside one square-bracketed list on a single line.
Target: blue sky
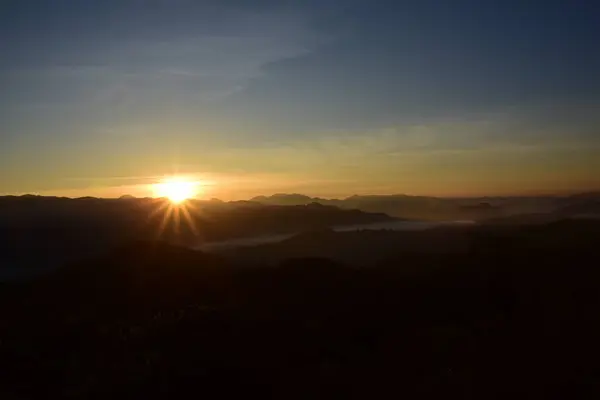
[(326, 97)]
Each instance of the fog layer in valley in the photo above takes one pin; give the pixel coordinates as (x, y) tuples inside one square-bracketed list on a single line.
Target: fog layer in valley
[(389, 225)]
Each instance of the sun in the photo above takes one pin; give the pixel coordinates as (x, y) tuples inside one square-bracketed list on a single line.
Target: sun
[(176, 189), (176, 214)]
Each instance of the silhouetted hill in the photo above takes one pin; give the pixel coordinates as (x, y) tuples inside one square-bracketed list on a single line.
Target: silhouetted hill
[(359, 248), (282, 199), (515, 312), (255, 219), (426, 208), (49, 231), (585, 204), (141, 274), (368, 247), (39, 232), (437, 208)]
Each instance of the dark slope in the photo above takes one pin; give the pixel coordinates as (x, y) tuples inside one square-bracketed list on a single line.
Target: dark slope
[(514, 315), (40, 231)]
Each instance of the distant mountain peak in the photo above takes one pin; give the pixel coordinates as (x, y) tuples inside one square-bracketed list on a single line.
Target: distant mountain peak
[(285, 199)]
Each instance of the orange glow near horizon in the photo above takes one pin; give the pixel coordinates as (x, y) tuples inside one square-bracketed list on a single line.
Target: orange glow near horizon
[(176, 211), (176, 189)]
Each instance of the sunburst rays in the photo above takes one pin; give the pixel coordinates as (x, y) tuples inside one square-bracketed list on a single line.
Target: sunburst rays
[(177, 220)]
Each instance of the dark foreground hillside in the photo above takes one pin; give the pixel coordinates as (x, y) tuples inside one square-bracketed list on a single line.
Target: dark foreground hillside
[(515, 315)]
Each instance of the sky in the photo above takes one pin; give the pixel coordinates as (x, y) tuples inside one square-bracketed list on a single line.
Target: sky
[(323, 97)]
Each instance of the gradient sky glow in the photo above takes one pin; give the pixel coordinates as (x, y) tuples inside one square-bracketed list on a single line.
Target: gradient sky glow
[(323, 97)]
